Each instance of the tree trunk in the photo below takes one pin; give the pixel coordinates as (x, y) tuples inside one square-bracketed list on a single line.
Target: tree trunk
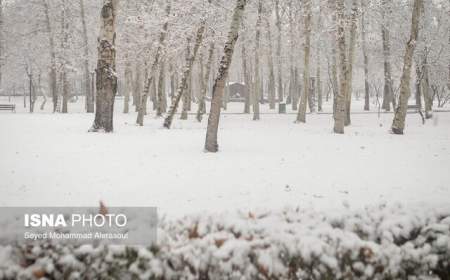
[(172, 81), (65, 92), (205, 85), (87, 85), (318, 69), (201, 103), (64, 42), (106, 68), (425, 83), (52, 74), (187, 91), (137, 92), (350, 60), (30, 90), (271, 83), (246, 80), (339, 116), (42, 93), (211, 144), (312, 94), (162, 98), (149, 79), (301, 116), (388, 88), (226, 98), (293, 90), (280, 70), (154, 93), (128, 87), (365, 56), (418, 87), (186, 75), (398, 124), (258, 89)]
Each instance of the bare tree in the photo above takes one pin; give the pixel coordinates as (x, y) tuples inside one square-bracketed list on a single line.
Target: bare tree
[(162, 100), (106, 68), (211, 144), (128, 86), (202, 106), (301, 116), (271, 83), (52, 74), (247, 81), (186, 75), (87, 84), (257, 85), (385, 35), (365, 56), (398, 124), (150, 76), (350, 61), (318, 61), (339, 116), (63, 58), (279, 34)]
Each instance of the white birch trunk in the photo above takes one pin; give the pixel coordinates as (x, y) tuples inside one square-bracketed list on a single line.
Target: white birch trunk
[(318, 69), (137, 89), (186, 75), (162, 98), (205, 84), (246, 80), (128, 87), (301, 116), (64, 42), (106, 68), (52, 74), (385, 35), (279, 34), (271, 82), (339, 116), (365, 56), (398, 124), (150, 79), (87, 84), (186, 95), (211, 144), (351, 58), (293, 90), (258, 89)]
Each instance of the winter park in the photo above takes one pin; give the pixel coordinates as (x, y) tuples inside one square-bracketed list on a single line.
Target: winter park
[(225, 139)]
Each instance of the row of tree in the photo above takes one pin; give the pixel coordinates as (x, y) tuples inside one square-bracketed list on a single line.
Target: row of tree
[(188, 51)]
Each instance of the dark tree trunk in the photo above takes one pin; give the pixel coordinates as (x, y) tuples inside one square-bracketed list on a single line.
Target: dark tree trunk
[(106, 82)]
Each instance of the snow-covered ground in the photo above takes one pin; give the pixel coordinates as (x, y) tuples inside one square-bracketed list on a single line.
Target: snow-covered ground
[(51, 160)]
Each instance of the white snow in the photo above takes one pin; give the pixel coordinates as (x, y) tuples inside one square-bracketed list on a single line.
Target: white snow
[(51, 159)]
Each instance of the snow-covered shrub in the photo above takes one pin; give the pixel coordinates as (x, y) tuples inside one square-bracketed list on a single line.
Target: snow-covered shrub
[(382, 242)]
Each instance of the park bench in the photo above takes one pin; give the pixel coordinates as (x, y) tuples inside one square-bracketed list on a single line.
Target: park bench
[(8, 107), (413, 107), (416, 109)]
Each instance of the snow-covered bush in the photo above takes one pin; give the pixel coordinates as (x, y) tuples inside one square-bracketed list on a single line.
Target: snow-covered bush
[(382, 242)]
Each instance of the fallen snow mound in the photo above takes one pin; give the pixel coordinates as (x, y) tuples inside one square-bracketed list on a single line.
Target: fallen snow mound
[(379, 242)]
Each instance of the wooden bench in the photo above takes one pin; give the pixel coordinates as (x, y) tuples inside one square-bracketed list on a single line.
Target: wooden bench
[(416, 109), (8, 107), (413, 107)]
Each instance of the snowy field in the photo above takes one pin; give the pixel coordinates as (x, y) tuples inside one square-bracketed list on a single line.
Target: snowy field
[(51, 160)]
